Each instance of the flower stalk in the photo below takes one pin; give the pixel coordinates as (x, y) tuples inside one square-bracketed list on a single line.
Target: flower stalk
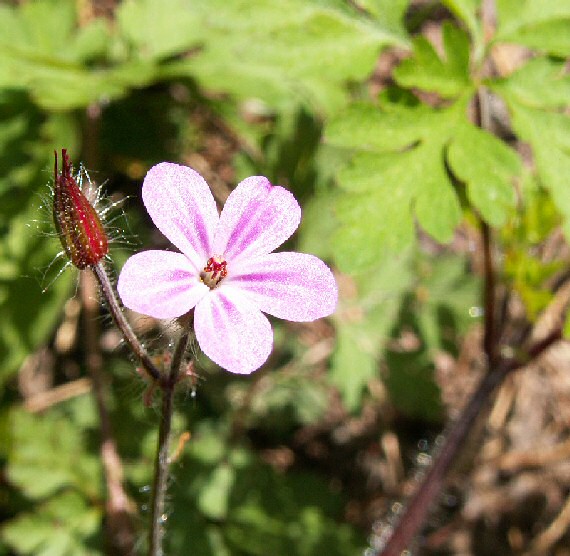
[(162, 462), (122, 323)]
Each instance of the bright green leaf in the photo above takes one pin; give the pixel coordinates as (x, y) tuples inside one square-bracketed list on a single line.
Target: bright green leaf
[(385, 187), (448, 77), (540, 83), (488, 167), (467, 11), (306, 50), (540, 24), (389, 12), (549, 135), (160, 29)]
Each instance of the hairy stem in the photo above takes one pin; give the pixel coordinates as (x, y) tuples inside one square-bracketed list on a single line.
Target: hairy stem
[(431, 486), (119, 508), (122, 323), (162, 462)]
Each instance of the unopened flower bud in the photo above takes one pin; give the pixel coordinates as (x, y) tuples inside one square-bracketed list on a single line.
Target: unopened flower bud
[(79, 227)]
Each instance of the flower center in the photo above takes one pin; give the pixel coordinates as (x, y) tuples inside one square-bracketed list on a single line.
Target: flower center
[(214, 271)]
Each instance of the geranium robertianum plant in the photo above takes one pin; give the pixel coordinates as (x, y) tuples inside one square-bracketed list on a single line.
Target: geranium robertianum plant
[(227, 272), (219, 286)]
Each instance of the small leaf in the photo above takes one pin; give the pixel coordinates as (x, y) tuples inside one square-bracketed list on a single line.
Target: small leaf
[(213, 499), (364, 323), (540, 83), (549, 135), (46, 454), (160, 29), (467, 11), (426, 70), (352, 367), (540, 24), (60, 527), (388, 12), (488, 167)]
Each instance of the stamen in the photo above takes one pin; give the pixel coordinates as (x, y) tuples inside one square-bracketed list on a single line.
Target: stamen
[(214, 271)]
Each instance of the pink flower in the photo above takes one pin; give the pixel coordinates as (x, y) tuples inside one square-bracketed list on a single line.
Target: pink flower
[(226, 270)]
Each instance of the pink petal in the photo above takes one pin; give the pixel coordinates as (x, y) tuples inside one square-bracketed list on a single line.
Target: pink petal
[(291, 286), (232, 332), (182, 207), (256, 219), (160, 284)]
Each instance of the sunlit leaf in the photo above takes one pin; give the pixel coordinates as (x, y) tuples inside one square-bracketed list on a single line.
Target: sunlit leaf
[(540, 24)]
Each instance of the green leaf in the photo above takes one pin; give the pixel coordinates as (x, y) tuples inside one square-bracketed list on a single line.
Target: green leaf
[(398, 173), (159, 29), (540, 24), (389, 12), (364, 322), (43, 51), (549, 135), (60, 527), (352, 367), (213, 500), (46, 455), (448, 77), (467, 11), (540, 83), (547, 130), (488, 166), (304, 50)]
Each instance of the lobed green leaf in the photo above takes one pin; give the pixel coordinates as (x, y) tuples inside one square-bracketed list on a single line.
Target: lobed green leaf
[(540, 83), (542, 122), (448, 76), (306, 49), (488, 166), (540, 24), (467, 11)]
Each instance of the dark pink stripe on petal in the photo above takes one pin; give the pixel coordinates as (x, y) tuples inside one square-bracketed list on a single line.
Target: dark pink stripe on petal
[(160, 284), (232, 332), (182, 207), (256, 219), (292, 286)]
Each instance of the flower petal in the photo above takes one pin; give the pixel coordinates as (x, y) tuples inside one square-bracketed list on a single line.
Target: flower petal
[(182, 207), (232, 332), (256, 219), (160, 284), (291, 286)]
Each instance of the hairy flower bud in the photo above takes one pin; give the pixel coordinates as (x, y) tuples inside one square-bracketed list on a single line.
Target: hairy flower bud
[(79, 227)]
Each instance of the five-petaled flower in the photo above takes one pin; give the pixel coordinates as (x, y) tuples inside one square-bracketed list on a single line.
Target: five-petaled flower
[(226, 270)]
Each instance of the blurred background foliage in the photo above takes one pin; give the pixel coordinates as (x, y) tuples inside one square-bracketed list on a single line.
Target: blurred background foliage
[(369, 121)]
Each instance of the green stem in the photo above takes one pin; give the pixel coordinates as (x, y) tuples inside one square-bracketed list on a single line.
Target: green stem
[(122, 323), (162, 462)]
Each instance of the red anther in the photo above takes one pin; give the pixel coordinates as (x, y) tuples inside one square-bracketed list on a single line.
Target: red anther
[(216, 269)]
